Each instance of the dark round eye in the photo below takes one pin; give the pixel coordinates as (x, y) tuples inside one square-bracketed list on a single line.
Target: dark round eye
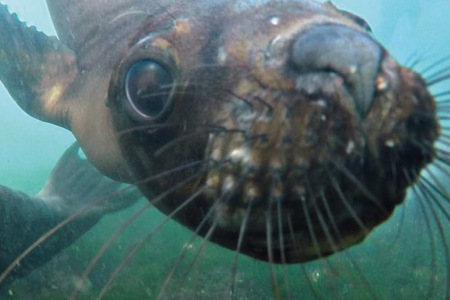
[(148, 87)]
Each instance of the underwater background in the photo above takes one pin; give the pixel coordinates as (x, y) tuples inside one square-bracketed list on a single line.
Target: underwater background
[(402, 259)]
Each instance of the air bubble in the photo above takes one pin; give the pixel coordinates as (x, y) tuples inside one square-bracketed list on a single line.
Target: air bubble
[(275, 21)]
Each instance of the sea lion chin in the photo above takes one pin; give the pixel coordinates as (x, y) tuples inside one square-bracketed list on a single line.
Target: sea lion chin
[(294, 129)]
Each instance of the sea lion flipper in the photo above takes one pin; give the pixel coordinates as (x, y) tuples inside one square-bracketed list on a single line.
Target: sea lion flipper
[(75, 183), (74, 186), (35, 68)]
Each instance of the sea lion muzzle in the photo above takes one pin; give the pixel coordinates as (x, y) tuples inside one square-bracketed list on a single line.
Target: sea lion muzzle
[(349, 53)]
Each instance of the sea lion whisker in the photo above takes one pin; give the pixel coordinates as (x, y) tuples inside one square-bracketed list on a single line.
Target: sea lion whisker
[(441, 151), (189, 136), (324, 261), (203, 245), (444, 136), (269, 246), (281, 242), (148, 127), (165, 10), (124, 226), (127, 14), (320, 217), (361, 275), (175, 125), (427, 194), (427, 147), (224, 198), (427, 185), (231, 93), (246, 101), (444, 104), (242, 230), (310, 226), (179, 140), (444, 107), (265, 103), (347, 205), (344, 170), (437, 164), (330, 216), (184, 252), (413, 60), (287, 288), (443, 159), (108, 244), (443, 118), (446, 249), (418, 191), (165, 93), (437, 73), (401, 223), (135, 249), (301, 266), (341, 241), (438, 78), (435, 64), (437, 188), (441, 94)]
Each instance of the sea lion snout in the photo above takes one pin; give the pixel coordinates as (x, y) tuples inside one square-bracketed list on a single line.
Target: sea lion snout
[(347, 52)]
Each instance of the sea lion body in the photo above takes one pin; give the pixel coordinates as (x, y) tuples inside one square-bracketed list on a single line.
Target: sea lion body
[(74, 185)]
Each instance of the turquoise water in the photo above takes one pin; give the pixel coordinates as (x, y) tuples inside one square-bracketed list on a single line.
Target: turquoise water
[(391, 265)]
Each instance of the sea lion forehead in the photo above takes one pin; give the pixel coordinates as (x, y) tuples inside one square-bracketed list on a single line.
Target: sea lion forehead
[(77, 21), (99, 30), (266, 19)]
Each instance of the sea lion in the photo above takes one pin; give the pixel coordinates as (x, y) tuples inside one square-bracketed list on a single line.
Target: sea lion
[(295, 130)]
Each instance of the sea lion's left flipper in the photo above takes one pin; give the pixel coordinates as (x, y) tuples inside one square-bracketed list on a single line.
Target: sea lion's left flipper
[(74, 186), (75, 183), (35, 68)]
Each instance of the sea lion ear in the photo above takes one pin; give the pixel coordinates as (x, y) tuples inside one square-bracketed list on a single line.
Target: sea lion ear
[(358, 20), (36, 69)]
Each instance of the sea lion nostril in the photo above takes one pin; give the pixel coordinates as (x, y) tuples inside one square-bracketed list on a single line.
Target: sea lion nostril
[(339, 49)]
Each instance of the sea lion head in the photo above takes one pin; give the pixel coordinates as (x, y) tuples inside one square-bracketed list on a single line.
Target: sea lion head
[(295, 130)]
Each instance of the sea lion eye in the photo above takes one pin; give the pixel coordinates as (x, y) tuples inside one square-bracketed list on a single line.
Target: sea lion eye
[(148, 88)]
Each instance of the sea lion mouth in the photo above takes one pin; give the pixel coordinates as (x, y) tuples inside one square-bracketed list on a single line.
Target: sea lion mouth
[(295, 143)]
